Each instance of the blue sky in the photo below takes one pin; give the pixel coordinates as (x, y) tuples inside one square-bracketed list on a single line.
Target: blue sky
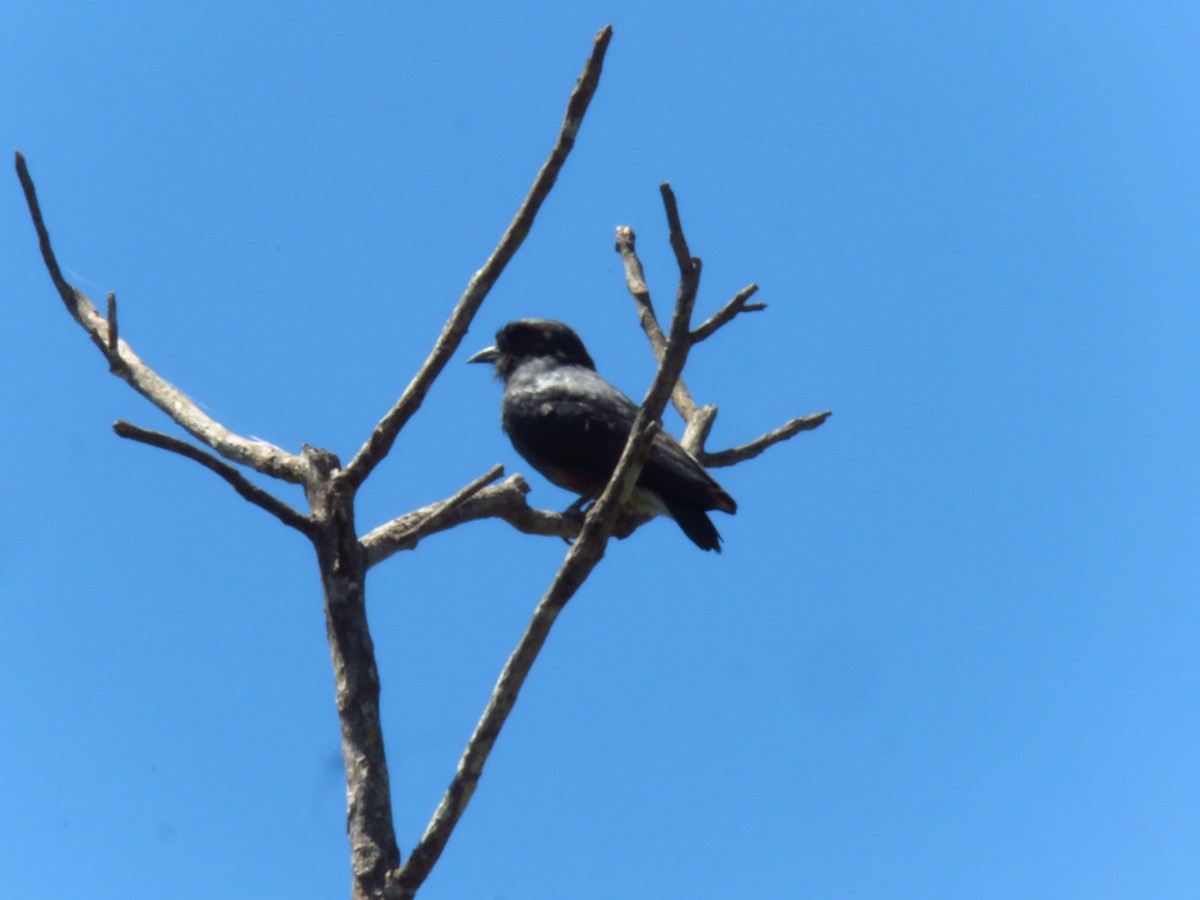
[(949, 650)]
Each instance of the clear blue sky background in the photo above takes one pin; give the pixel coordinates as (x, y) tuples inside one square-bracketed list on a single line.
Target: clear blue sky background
[(950, 650)]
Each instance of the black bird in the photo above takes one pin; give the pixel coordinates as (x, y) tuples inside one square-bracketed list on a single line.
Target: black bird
[(571, 425)]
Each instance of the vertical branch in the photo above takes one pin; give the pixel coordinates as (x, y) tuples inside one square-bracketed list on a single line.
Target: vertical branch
[(111, 316), (374, 854)]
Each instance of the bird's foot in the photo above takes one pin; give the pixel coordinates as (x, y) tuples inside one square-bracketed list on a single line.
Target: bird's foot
[(577, 510)]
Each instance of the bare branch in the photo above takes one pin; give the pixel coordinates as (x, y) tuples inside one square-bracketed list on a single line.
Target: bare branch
[(728, 312), (506, 501), (125, 364), (455, 329), (635, 280), (405, 532), (754, 448), (374, 852), (251, 492), (583, 556)]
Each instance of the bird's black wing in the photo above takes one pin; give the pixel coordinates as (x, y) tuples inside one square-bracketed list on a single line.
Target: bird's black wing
[(571, 425), (672, 472)]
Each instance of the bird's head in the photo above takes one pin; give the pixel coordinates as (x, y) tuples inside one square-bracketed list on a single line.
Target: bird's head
[(534, 339)]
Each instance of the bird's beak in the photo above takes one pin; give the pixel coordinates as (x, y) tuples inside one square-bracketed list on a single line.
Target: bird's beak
[(487, 355)]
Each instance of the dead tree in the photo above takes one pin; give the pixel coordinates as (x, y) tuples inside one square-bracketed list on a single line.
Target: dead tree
[(343, 556)]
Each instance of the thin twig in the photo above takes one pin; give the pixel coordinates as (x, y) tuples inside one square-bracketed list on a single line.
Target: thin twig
[(635, 280), (679, 244), (114, 358), (758, 445), (251, 492), (728, 312), (380, 442), (583, 556), (405, 532), (65, 290), (125, 364)]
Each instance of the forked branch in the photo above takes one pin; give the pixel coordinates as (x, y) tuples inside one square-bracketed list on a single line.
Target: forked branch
[(125, 364), (728, 312), (699, 419)]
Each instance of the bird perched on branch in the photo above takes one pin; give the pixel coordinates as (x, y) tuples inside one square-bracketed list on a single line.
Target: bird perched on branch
[(571, 425)]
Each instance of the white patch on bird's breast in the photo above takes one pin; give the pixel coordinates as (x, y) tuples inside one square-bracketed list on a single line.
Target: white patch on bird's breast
[(542, 381), (542, 375)]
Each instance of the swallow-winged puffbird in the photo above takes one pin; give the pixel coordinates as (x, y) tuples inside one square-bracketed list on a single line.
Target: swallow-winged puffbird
[(571, 425)]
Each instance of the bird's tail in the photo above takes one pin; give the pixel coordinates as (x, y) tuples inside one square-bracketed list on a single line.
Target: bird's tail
[(695, 524)]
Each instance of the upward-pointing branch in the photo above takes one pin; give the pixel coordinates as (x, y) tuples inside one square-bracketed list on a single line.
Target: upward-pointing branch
[(455, 329), (581, 559)]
